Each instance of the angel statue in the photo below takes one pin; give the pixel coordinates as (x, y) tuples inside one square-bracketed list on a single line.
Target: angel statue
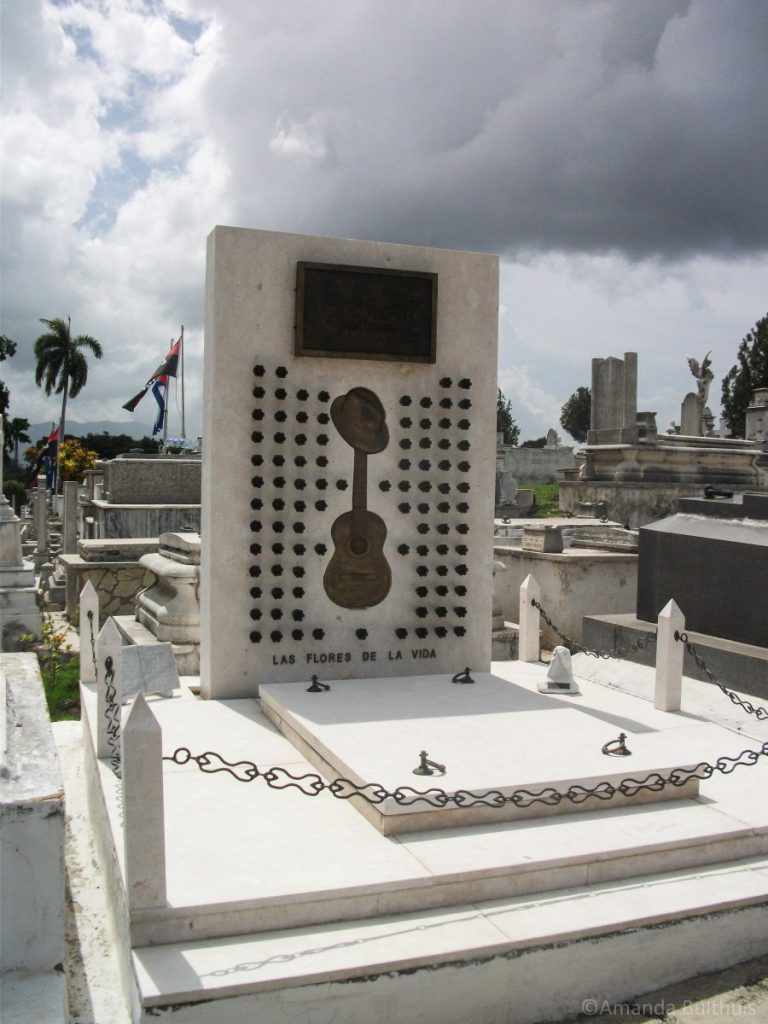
[(703, 375)]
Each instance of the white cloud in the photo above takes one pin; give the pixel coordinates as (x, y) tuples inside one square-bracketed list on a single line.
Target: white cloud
[(612, 153), (292, 139)]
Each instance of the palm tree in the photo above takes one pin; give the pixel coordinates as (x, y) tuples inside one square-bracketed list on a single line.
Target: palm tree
[(15, 434), (62, 367)]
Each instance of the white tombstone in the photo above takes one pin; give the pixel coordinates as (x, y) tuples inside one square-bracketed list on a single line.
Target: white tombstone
[(529, 647), (669, 658), (691, 416), (148, 668), (143, 813), (559, 674), (267, 396), (89, 631)]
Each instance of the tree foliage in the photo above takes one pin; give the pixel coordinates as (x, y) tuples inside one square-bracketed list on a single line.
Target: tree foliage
[(576, 413), (16, 434), (750, 372), (61, 363), (107, 446), (505, 423), (7, 349), (75, 458), (62, 366), (536, 442)]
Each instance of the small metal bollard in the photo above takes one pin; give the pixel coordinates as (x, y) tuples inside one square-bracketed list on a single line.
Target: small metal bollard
[(463, 677), (427, 767), (317, 686), (618, 747)]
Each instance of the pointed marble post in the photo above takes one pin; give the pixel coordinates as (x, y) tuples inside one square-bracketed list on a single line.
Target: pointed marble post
[(143, 813), (529, 648), (41, 523), (89, 630), (108, 646), (669, 658)]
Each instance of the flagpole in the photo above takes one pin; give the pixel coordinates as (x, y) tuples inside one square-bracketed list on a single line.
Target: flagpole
[(181, 353)]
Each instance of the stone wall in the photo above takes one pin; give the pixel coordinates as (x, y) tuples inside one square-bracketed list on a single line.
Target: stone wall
[(117, 584), (538, 465), (573, 584), (114, 522), (158, 480), (637, 503), (114, 570)]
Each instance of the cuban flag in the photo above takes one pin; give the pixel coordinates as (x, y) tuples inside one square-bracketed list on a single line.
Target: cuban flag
[(168, 368), (159, 390)]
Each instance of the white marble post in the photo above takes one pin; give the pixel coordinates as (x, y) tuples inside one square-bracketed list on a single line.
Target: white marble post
[(89, 630), (669, 659), (529, 642), (108, 645), (69, 525), (143, 814)]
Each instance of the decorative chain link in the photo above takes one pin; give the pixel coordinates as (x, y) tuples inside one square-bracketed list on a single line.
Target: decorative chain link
[(646, 640), (93, 638), (112, 715), (312, 784), (760, 713)]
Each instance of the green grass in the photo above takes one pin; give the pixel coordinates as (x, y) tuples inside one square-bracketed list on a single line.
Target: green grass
[(547, 499), (62, 690)]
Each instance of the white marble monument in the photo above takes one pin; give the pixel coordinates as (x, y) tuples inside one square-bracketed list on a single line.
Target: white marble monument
[(312, 454)]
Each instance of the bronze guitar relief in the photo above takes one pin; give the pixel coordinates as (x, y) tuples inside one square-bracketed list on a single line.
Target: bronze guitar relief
[(358, 575)]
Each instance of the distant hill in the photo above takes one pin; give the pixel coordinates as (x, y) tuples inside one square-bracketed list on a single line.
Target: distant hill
[(133, 429)]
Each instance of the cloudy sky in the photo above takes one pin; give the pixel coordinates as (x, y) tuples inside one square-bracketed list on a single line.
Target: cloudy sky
[(612, 152)]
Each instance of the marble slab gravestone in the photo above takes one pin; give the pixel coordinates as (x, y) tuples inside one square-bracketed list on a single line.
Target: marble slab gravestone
[(347, 490), (148, 668)]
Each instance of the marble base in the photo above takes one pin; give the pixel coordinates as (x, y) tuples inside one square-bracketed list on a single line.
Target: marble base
[(556, 910), (496, 736)]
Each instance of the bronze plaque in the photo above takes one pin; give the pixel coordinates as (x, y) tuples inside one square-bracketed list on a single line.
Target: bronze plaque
[(365, 312)]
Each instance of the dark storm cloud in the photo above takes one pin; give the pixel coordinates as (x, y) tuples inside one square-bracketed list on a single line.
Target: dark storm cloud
[(638, 127)]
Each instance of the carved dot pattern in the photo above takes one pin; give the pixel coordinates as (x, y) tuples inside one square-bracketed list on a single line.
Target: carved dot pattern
[(425, 484)]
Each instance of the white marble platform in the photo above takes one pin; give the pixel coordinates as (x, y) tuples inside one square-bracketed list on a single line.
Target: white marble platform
[(498, 735), (306, 890)]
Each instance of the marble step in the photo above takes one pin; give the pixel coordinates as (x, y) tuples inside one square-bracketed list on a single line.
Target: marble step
[(695, 904), (482, 863)]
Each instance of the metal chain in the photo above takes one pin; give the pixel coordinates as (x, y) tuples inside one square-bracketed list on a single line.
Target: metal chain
[(112, 715), (93, 638), (312, 784), (760, 713), (646, 640)]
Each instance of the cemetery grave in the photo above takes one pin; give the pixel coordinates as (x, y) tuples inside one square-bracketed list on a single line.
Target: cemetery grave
[(357, 793), (352, 791)]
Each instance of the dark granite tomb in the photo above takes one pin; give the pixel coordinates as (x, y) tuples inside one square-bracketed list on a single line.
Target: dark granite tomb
[(711, 557)]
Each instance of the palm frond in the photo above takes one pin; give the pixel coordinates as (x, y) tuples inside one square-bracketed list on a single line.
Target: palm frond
[(86, 341)]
